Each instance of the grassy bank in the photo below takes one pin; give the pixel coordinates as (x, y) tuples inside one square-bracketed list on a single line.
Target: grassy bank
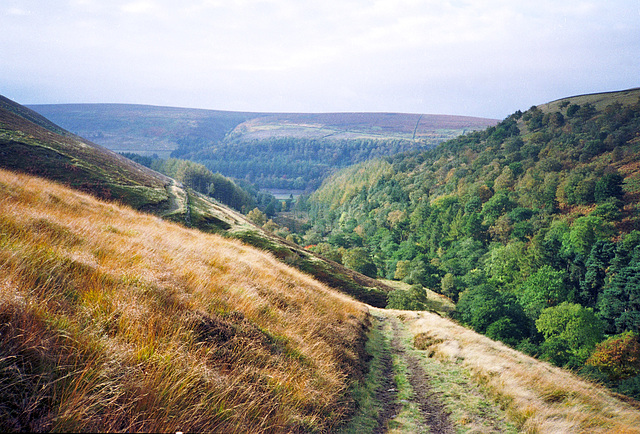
[(112, 320)]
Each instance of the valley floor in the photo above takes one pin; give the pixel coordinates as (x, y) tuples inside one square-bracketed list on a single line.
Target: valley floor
[(429, 374)]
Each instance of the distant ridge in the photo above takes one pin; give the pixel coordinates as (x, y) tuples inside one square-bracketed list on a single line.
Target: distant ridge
[(291, 151), (147, 128)]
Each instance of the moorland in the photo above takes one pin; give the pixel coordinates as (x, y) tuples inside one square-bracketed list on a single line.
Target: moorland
[(488, 284), (291, 151)]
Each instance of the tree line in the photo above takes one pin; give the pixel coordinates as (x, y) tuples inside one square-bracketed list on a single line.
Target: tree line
[(289, 162), (242, 196)]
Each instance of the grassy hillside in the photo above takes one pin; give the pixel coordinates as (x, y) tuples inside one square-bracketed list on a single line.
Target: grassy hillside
[(273, 150), (531, 226), (112, 320), (487, 387), (142, 129), (46, 150), (356, 126)]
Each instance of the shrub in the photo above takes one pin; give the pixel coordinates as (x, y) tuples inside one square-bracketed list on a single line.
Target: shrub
[(618, 356)]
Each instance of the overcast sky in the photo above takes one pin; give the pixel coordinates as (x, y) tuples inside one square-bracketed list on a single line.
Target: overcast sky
[(481, 58)]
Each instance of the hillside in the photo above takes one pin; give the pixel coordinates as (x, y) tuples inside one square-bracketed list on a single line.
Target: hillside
[(484, 386), (273, 150), (115, 320), (46, 150), (139, 128), (529, 226), (112, 320)]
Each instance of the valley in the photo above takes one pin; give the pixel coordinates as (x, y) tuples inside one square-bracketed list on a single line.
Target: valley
[(531, 227), (488, 284), (291, 151)]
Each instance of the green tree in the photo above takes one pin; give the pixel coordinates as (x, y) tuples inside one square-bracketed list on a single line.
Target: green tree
[(403, 268), (576, 326), (358, 259), (609, 210), (609, 186), (414, 298), (493, 312), (450, 286), (572, 110), (256, 216), (543, 289), (499, 204), (586, 230), (270, 226), (505, 266), (620, 301), (591, 286)]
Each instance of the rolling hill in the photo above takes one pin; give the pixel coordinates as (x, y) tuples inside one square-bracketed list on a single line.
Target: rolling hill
[(46, 150), (273, 150), (113, 320)]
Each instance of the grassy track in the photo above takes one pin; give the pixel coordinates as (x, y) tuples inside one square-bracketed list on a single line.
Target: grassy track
[(427, 395), (451, 379)]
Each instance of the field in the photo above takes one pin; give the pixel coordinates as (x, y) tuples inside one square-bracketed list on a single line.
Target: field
[(338, 126)]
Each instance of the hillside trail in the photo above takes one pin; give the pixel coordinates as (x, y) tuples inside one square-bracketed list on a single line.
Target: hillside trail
[(410, 401), (432, 418)]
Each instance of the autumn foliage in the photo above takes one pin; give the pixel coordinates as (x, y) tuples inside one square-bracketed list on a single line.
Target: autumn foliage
[(618, 356)]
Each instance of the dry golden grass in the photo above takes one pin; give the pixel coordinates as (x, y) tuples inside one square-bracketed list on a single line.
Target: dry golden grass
[(112, 320), (538, 397)]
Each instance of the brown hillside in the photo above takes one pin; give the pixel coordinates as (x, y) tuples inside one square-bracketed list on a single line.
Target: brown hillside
[(112, 320)]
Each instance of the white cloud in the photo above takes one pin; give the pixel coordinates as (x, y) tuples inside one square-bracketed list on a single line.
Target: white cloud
[(138, 7), (389, 55), (16, 11)]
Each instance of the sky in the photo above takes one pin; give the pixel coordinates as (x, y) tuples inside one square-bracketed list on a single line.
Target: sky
[(477, 58)]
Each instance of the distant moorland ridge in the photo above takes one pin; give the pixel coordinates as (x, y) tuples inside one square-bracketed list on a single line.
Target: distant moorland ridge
[(273, 150)]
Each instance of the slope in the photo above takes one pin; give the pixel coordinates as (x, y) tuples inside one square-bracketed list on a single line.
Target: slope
[(451, 379), (112, 320), (532, 227), (140, 128), (46, 150)]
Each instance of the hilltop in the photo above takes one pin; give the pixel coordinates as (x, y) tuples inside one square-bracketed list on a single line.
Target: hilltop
[(46, 150), (273, 150)]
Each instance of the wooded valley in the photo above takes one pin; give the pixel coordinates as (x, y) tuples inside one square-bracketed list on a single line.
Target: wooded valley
[(531, 227)]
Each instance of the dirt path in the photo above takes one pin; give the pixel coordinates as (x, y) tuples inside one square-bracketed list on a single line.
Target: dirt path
[(408, 391), (430, 414), (387, 392), (431, 408)]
